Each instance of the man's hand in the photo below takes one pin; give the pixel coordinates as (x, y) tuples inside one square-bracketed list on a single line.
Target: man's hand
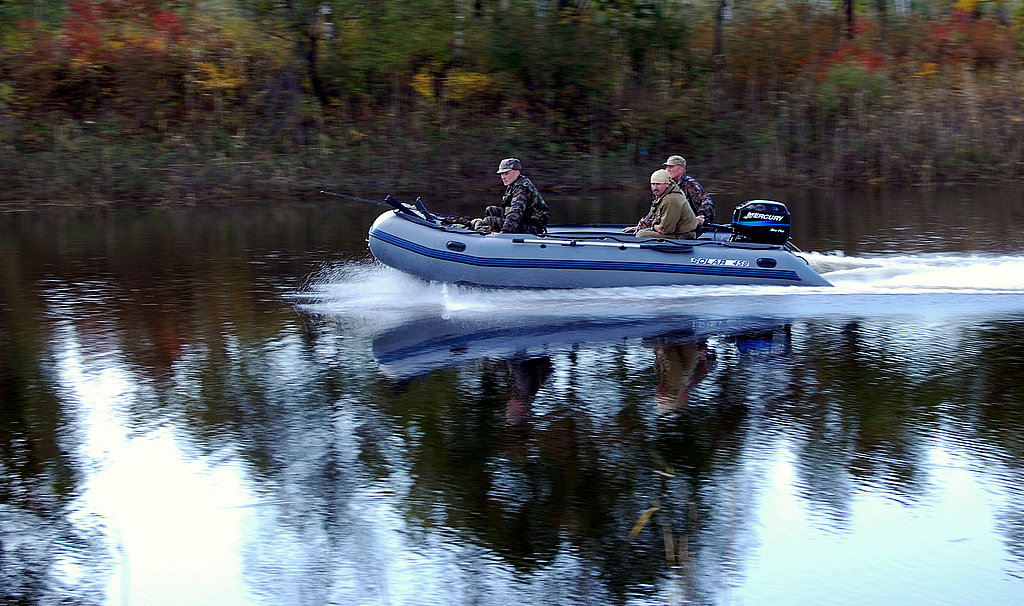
[(629, 230), (700, 219)]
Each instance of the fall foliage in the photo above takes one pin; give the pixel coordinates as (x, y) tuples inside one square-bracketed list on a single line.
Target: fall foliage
[(143, 99)]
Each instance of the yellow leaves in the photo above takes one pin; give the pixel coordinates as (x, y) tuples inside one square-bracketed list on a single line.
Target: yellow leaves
[(457, 85), (927, 70), (156, 44), (967, 6), (641, 522), (83, 64), (209, 76), (423, 83), (463, 85), (6, 93)]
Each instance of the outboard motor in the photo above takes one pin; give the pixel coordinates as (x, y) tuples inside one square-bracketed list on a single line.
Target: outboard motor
[(761, 221)]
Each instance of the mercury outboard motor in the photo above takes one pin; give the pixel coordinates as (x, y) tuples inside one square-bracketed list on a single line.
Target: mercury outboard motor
[(761, 221)]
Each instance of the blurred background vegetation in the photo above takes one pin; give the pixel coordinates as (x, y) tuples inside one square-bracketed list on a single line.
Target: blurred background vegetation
[(197, 100)]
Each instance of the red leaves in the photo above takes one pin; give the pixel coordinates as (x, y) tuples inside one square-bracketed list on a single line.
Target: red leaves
[(869, 58), (959, 37), (850, 53), (95, 31), (106, 57), (168, 24), (82, 30), (963, 37)]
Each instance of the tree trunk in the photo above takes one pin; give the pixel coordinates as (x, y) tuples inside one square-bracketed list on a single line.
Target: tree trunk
[(849, 18), (310, 55), (716, 50)]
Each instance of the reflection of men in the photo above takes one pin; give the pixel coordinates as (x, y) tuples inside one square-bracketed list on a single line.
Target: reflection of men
[(525, 378), (677, 367)]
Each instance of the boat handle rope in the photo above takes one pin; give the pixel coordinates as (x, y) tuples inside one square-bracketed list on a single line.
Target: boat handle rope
[(658, 245), (661, 245)]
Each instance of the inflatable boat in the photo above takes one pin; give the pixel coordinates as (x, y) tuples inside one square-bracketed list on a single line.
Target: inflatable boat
[(755, 249)]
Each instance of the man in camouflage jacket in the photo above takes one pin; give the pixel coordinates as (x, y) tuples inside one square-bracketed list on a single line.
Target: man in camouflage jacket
[(522, 210), (699, 199)]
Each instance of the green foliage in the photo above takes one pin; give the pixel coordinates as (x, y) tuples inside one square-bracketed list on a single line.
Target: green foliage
[(310, 84), (848, 84), (15, 13)]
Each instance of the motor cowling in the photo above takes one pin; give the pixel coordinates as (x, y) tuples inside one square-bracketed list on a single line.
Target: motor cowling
[(761, 221)]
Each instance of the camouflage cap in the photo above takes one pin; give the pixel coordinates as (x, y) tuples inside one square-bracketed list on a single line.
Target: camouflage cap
[(675, 161), (661, 176), (509, 164)]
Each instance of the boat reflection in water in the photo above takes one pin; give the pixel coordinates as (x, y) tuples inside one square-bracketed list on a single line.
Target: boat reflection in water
[(423, 345), (522, 355)]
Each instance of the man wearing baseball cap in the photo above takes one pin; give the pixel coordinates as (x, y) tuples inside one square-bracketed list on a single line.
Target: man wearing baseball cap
[(699, 199), (522, 210), (670, 216)]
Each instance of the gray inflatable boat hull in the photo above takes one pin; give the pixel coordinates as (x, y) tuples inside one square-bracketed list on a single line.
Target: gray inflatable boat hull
[(573, 256)]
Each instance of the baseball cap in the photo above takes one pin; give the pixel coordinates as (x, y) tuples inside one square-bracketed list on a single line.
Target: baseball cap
[(509, 164)]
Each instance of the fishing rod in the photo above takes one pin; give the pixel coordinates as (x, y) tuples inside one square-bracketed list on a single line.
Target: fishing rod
[(390, 201), (358, 199)]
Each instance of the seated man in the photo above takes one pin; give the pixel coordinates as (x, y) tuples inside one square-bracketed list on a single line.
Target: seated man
[(670, 216), (522, 210), (699, 199)]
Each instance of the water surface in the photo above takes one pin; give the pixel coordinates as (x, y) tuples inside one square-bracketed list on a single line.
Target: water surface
[(237, 406)]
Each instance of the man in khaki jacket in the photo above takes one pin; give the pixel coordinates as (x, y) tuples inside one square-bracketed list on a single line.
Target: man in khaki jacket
[(670, 216)]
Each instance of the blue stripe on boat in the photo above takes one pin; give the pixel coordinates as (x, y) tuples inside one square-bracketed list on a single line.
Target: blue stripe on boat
[(712, 270)]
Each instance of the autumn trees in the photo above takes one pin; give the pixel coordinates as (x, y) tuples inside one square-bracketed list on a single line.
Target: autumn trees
[(288, 90)]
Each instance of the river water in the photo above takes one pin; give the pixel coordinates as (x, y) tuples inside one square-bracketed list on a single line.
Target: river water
[(236, 406)]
